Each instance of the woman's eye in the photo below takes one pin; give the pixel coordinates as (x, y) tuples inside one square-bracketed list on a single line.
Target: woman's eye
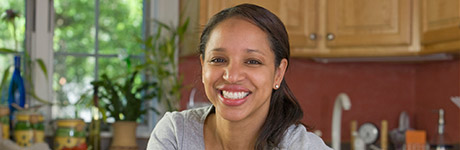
[(217, 60), (253, 62)]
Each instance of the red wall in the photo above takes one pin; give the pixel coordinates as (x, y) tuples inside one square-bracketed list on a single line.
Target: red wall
[(436, 82), (378, 91)]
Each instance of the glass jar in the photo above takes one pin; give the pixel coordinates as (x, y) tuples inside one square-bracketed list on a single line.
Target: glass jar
[(70, 134), (5, 121), (23, 132), (38, 127)]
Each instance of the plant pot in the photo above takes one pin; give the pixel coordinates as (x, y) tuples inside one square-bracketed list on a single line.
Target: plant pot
[(124, 136), (5, 122), (70, 134)]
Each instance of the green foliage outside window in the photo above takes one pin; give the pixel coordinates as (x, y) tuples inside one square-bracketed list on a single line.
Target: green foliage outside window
[(74, 43)]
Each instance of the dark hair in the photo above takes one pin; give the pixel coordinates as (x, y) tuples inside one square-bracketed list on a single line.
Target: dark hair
[(284, 109)]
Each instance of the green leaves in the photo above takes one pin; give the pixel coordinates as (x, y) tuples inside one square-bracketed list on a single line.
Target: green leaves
[(6, 74), (5, 50), (42, 66), (161, 63), (10, 15), (182, 29), (124, 100)]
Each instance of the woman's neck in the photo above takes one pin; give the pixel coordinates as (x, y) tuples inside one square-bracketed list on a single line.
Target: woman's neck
[(229, 135)]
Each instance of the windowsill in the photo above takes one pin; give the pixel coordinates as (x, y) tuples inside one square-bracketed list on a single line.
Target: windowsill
[(142, 132)]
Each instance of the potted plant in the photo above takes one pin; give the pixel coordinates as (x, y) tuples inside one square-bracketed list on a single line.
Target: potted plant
[(162, 63), (124, 101)]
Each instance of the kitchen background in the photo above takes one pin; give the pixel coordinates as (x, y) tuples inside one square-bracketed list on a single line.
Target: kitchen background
[(378, 91), (388, 56)]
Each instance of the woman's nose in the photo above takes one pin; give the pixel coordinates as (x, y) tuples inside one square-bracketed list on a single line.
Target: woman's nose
[(233, 73)]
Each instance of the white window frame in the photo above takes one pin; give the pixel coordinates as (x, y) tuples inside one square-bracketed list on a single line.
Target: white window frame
[(39, 38)]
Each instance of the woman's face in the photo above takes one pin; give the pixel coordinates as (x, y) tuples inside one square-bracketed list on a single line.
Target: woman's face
[(239, 70)]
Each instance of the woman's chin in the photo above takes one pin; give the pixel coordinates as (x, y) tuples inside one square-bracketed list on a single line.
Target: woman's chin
[(231, 114)]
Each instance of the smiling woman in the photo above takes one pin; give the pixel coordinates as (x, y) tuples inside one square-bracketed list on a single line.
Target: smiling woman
[(244, 56)]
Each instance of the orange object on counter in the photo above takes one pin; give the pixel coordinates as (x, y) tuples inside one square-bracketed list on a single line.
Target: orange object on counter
[(415, 140)]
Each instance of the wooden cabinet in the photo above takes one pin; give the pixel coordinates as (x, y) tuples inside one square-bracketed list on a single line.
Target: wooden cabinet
[(337, 28), (440, 25), (368, 22), (299, 16)]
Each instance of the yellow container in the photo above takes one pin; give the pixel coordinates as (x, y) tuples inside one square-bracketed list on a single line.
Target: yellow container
[(5, 121), (70, 133), (23, 132), (38, 127)]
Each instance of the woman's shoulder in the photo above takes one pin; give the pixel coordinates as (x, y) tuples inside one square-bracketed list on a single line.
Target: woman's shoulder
[(176, 130), (193, 115), (297, 137)]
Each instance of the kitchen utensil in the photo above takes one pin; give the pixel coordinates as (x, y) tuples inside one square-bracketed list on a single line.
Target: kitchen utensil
[(369, 133), (384, 135), (397, 135)]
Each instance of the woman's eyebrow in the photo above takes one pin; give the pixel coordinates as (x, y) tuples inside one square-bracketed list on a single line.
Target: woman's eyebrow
[(219, 49), (254, 51)]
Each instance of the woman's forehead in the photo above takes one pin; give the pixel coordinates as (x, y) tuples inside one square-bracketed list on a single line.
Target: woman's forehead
[(235, 33)]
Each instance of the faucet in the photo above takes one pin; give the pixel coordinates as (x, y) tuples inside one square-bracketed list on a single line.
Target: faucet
[(342, 101), (191, 101)]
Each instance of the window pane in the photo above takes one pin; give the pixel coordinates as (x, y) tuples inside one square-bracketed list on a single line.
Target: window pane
[(74, 26), (116, 67), (120, 22), (72, 77), (6, 36)]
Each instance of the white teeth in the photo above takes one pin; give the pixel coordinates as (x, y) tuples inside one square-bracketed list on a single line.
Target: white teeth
[(234, 95)]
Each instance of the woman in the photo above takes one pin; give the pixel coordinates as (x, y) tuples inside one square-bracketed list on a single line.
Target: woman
[(244, 56)]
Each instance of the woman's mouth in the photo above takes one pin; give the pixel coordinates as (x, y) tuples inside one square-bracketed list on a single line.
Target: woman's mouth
[(234, 95), (233, 98)]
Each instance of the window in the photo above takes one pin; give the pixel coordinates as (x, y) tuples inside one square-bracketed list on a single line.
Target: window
[(79, 40), (92, 38), (7, 39)]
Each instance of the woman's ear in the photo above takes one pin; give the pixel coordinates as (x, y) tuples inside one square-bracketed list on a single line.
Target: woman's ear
[(279, 73), (201, 59)]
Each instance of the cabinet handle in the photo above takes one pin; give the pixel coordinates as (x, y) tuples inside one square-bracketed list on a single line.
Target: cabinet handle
[(313, 36), (330, 36)]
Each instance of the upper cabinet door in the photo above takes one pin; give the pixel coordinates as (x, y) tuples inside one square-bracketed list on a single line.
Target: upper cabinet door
[(440, 21), (368, 22), (299, 16)]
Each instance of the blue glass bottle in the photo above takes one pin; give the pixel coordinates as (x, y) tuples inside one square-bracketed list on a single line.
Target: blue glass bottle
[(16, 92)]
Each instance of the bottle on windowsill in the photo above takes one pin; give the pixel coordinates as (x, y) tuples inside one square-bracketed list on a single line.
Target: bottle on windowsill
[(16, 92), (94, 139)]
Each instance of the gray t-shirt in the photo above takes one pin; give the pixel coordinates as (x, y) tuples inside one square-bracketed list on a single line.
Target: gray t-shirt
[(184, 131)]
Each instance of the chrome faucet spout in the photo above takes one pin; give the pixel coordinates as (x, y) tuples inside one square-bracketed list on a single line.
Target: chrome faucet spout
[(342, 101)]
